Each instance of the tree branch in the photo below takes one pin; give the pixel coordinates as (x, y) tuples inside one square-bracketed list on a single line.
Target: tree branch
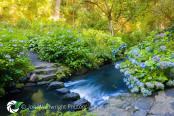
[(96, 3)]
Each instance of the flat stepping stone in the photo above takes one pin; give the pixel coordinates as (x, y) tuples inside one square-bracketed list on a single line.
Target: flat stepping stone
[(46, 77), (144, 104), (30, 84), (71, 96), (46, 71), (56, 85), (140, 113), (45, 65), (62, 91), (42, 83)]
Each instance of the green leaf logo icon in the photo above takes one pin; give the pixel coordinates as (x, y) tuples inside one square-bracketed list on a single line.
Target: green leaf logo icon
[(18, 104)]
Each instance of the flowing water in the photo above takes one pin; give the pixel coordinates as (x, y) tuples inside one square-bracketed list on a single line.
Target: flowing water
[(95, 86), (99, 85)]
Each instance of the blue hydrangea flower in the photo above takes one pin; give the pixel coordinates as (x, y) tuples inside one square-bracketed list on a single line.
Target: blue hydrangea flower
[(156, 58), (170, 34), (69, 31), (14, 45), (143, 65), (72, 43), (11, 60), (127, 73), (10, 30), (148, 49), (0, 39), (129, 86), (117, 66), (21, 52), (3, 35), (149, 85), (14, 40), (70, 35), (1, 45), (62, 36), (90, 53), (162, 48), (163, 65), (122, 70), (21, 41), (138, 83), (159, 85), (48, 33), (130, 60), (134, 90), (158, 67), (134, 61), (125, 80), (7, 56), (18, 55)]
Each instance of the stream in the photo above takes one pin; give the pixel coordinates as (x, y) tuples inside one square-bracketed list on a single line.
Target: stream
[(96, 86)]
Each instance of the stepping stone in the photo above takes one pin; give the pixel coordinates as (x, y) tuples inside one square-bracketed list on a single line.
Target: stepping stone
[(56, 85), (45, 65), (46, 71), (46, 77), (80, 104), (30, 84), (140, 113), (71, 96), (144, 104), (42, 83), (62, 91)]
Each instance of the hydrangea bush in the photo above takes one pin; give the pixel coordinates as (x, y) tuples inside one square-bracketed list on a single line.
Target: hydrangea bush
[(13, 62), (150, 65), (86, 49)]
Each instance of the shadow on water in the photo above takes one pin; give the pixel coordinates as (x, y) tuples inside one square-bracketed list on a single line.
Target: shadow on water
[(33, 97), (94, 86)]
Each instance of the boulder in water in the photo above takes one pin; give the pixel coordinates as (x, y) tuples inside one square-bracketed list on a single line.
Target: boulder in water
[(80, 104), (56, 85), (71, 96), (62, 91)]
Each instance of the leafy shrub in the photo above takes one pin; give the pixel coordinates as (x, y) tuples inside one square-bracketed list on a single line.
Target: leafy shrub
[(40, 111), (88, 49), (150, 64), (13, 60)]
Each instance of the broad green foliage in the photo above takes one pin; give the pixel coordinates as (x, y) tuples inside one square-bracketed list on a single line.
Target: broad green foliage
[(89, 48), (13, 61), (40, 111), (150, 64)]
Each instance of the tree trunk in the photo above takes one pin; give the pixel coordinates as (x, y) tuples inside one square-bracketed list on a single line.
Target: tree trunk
[(111, 30), (57, 10)]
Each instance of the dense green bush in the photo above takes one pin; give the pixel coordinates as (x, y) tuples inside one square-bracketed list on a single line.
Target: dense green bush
[(13, 61), (151, 64), (89, 48)]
